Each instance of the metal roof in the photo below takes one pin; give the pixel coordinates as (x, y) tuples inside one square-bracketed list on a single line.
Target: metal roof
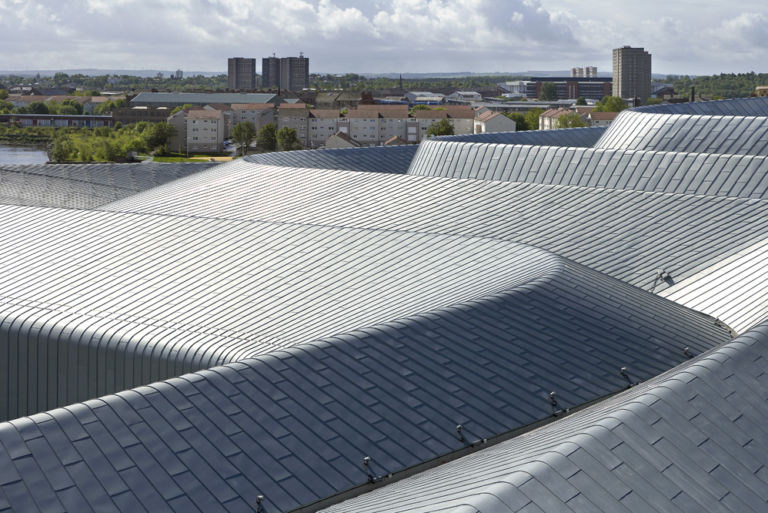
[(572, 137), (380, 159), (736, 135), (630, 235), (294, 425), (654, 171), (693, 439), (357, 314), (84, 185)]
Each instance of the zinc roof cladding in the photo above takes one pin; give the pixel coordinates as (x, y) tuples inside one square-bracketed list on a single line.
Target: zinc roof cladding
[(732, 107), (145, 98), (294, 425), (572, 137), (187, 293), (693, 439), (84, 186), (373, 159), (738, 135), (654, 171), (626, 234)]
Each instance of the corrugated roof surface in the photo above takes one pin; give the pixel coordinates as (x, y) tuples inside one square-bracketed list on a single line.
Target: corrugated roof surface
[(379, 159), (163, 295), (737, 135), (627, 234), (691, 440), (575, 137), (733, 107), (294, 425), (84, 185), (380, 310), (680, 173)]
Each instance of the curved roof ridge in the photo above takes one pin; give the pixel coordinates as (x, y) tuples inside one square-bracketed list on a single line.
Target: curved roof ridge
[(293, 425), (680, 172)]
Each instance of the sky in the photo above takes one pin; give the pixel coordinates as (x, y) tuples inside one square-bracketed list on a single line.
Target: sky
[(379, 36)]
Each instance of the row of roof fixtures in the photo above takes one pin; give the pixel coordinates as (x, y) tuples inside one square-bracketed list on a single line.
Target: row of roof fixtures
[(556, 410), (260, 504), (462, 438), (625, 375)]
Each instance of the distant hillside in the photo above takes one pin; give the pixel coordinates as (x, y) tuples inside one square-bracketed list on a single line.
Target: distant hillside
[(90, 72)]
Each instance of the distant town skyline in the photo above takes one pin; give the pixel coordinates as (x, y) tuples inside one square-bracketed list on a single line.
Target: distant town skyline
[(384, 36)]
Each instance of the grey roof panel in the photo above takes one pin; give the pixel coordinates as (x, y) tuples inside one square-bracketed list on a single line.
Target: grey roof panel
[(626, 234), (84, 185), (573, 137), (631, 452), (596, 167), (380, 159), (295, 424)]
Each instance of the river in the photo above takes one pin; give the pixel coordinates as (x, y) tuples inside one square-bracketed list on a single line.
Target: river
[(22, 154)]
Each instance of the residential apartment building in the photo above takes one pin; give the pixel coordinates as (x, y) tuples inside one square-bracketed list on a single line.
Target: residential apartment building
[(322, 124), (489, 121), (241, 73), (601, 118), (226, 113), (294, 115), (548, 118), (632, 73), (586, 72), (285, 73), (270, 72), (205, 131), (258, 114), (461, 118)]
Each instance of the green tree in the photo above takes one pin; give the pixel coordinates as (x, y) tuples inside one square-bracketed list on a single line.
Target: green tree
[(158, 135), (442, 127), (3, 94), (287, 139), (548, 91), (419, 107), (610, 104), (267, 137), (76, 105), (581, 100), (37, 108), (532, 118), (5, 107), (63, 149), (521, 124), (570, 120), (180, 107), (243, 134)]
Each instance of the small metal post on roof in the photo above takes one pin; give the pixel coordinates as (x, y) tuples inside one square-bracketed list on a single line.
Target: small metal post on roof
[(260, 504), (553, 402), (461, 435), (366, 467), (687, 352), (625, 374)]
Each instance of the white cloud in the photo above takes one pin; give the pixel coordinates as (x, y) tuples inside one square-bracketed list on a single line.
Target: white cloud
[(383, 35)]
